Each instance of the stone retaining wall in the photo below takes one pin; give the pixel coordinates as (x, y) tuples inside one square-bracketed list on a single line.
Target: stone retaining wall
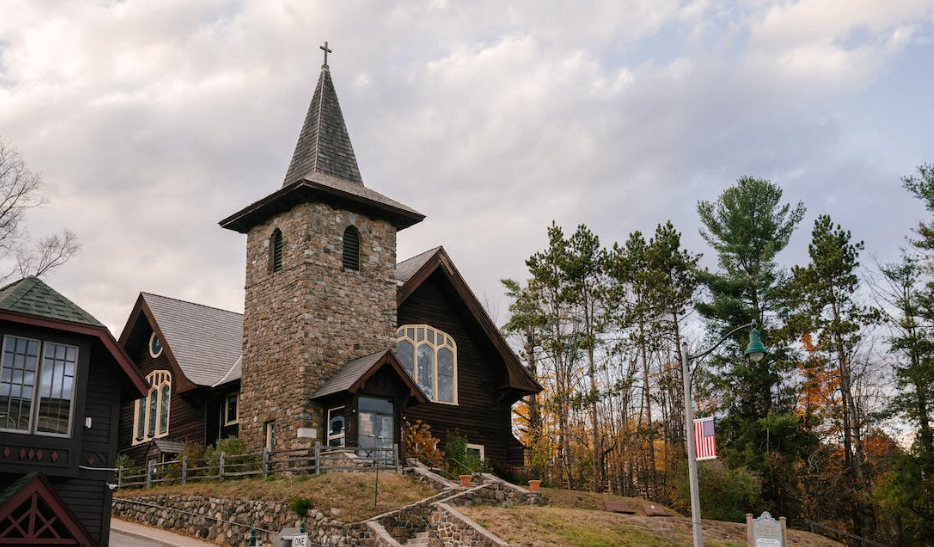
[(228, 522), (450, 528), (211, 519)]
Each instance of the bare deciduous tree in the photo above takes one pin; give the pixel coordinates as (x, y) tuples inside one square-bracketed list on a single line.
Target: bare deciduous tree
[(21, 190)]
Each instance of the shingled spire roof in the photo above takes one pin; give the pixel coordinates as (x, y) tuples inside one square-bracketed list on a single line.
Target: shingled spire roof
[(324, 169), (324, 144)]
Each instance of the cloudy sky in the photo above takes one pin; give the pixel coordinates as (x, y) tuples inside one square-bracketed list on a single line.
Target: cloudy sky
[(152, 121)]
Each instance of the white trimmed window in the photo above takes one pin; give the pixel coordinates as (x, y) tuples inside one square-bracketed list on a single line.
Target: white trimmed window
[(477, 450), (430, 358), (151, 413), (37, 386)]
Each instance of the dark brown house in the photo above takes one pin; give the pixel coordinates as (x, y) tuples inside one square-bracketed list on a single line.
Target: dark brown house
[(190, 355), (62, 379), (338, 343)]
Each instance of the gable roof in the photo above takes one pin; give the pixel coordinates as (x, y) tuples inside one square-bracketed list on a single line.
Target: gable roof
[(414, 271), (354, 374), (201, 342), (30, 295), (30, 301), (23, 519), (323, 143), (205, 343)]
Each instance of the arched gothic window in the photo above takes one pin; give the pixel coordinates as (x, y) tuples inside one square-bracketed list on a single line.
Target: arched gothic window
[(430, 357), (275, 250), (151, 413), (351, 258)]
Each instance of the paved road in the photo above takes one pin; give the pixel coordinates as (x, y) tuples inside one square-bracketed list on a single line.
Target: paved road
[(131, 534), (119, 539)]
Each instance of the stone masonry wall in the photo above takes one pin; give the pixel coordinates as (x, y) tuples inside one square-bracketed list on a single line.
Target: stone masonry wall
[(204, 518), (304, 322)]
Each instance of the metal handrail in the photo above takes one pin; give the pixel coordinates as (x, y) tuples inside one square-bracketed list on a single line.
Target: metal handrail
[(844, 533)]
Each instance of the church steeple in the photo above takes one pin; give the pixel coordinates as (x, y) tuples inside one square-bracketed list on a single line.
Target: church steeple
[(324, 144)]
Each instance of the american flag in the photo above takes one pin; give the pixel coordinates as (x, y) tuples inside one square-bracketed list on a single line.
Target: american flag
[(705, 444)]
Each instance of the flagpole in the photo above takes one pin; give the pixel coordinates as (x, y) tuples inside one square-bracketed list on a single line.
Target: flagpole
[(692, 457), (755, 351)]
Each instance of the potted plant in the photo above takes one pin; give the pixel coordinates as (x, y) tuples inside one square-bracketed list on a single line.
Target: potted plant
[(465, 480), (535, 485)]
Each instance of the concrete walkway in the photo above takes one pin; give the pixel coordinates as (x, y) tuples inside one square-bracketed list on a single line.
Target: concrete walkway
[(130, 534)]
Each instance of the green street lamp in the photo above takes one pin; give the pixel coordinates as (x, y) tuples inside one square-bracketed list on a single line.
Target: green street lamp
[(755, 351)]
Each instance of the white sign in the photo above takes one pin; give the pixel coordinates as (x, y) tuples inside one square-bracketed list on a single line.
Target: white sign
[(300, 540), (763, 542), (307, 433)]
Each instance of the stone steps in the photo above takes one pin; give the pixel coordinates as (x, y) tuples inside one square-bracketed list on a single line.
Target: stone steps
[(420, 540)]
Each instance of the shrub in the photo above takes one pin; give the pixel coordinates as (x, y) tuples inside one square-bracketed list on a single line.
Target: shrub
[(725, 494), (300, 506), (232, 447), (195, 453), (124, 461), (458, 459), (420, 443)]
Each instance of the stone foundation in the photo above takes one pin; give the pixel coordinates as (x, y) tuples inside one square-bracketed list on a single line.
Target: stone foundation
[(228, 522)]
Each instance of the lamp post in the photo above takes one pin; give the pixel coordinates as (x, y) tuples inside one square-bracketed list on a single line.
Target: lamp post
[(755, 351)]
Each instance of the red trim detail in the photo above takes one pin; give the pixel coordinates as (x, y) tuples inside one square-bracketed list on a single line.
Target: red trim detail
[(54, 457), (101, 333), (6, 452), (35, 515)]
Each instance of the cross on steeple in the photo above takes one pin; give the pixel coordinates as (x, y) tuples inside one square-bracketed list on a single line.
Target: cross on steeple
[(326, 51)]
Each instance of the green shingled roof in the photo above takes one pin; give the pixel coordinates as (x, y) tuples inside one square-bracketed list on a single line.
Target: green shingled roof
[(30, 295)]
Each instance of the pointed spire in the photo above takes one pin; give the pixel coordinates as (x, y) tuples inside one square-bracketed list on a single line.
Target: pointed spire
[(324, 144)]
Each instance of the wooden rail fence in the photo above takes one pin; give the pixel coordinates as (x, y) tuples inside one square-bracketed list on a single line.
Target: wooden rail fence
[(316, 459)]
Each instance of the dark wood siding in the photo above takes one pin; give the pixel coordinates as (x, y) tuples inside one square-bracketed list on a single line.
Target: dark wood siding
[(98, 392), (90, 501), (479, 415), (186, 410)]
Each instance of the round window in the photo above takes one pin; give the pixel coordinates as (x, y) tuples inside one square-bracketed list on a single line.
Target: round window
[(155, 346)]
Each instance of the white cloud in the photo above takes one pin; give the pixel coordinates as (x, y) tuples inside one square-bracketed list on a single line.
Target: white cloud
[(151, 121)]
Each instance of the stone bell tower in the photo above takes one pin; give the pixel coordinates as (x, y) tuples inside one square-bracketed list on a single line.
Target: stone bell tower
[(320, 278)]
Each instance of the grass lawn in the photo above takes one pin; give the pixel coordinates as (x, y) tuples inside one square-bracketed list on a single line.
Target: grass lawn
[(577, 519), (352, 493)]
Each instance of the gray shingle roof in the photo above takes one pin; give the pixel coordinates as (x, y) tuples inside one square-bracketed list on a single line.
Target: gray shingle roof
[(349, 374), (407, 268), (206, 342), (324, 144), (30, 295)]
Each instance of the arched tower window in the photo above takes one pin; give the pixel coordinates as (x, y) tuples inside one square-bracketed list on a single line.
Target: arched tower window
[(275, 250), (152, 412), (430, 357), (351, 249)]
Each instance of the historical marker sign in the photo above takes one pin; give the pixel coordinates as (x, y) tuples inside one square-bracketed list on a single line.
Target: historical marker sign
[(767, 532)]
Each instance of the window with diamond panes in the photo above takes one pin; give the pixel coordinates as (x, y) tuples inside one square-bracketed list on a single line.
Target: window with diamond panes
[(430, 357)]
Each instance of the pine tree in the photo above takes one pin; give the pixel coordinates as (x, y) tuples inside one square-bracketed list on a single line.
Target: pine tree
[(823, 294), (748, 226)]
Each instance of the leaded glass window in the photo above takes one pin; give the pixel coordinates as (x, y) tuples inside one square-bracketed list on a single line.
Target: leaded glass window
[(56, 389), (430, 357), (153, 412), (37, 396), (164, 409)]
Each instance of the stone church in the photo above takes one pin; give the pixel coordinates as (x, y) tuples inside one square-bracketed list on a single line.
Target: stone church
[(339, 343)]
